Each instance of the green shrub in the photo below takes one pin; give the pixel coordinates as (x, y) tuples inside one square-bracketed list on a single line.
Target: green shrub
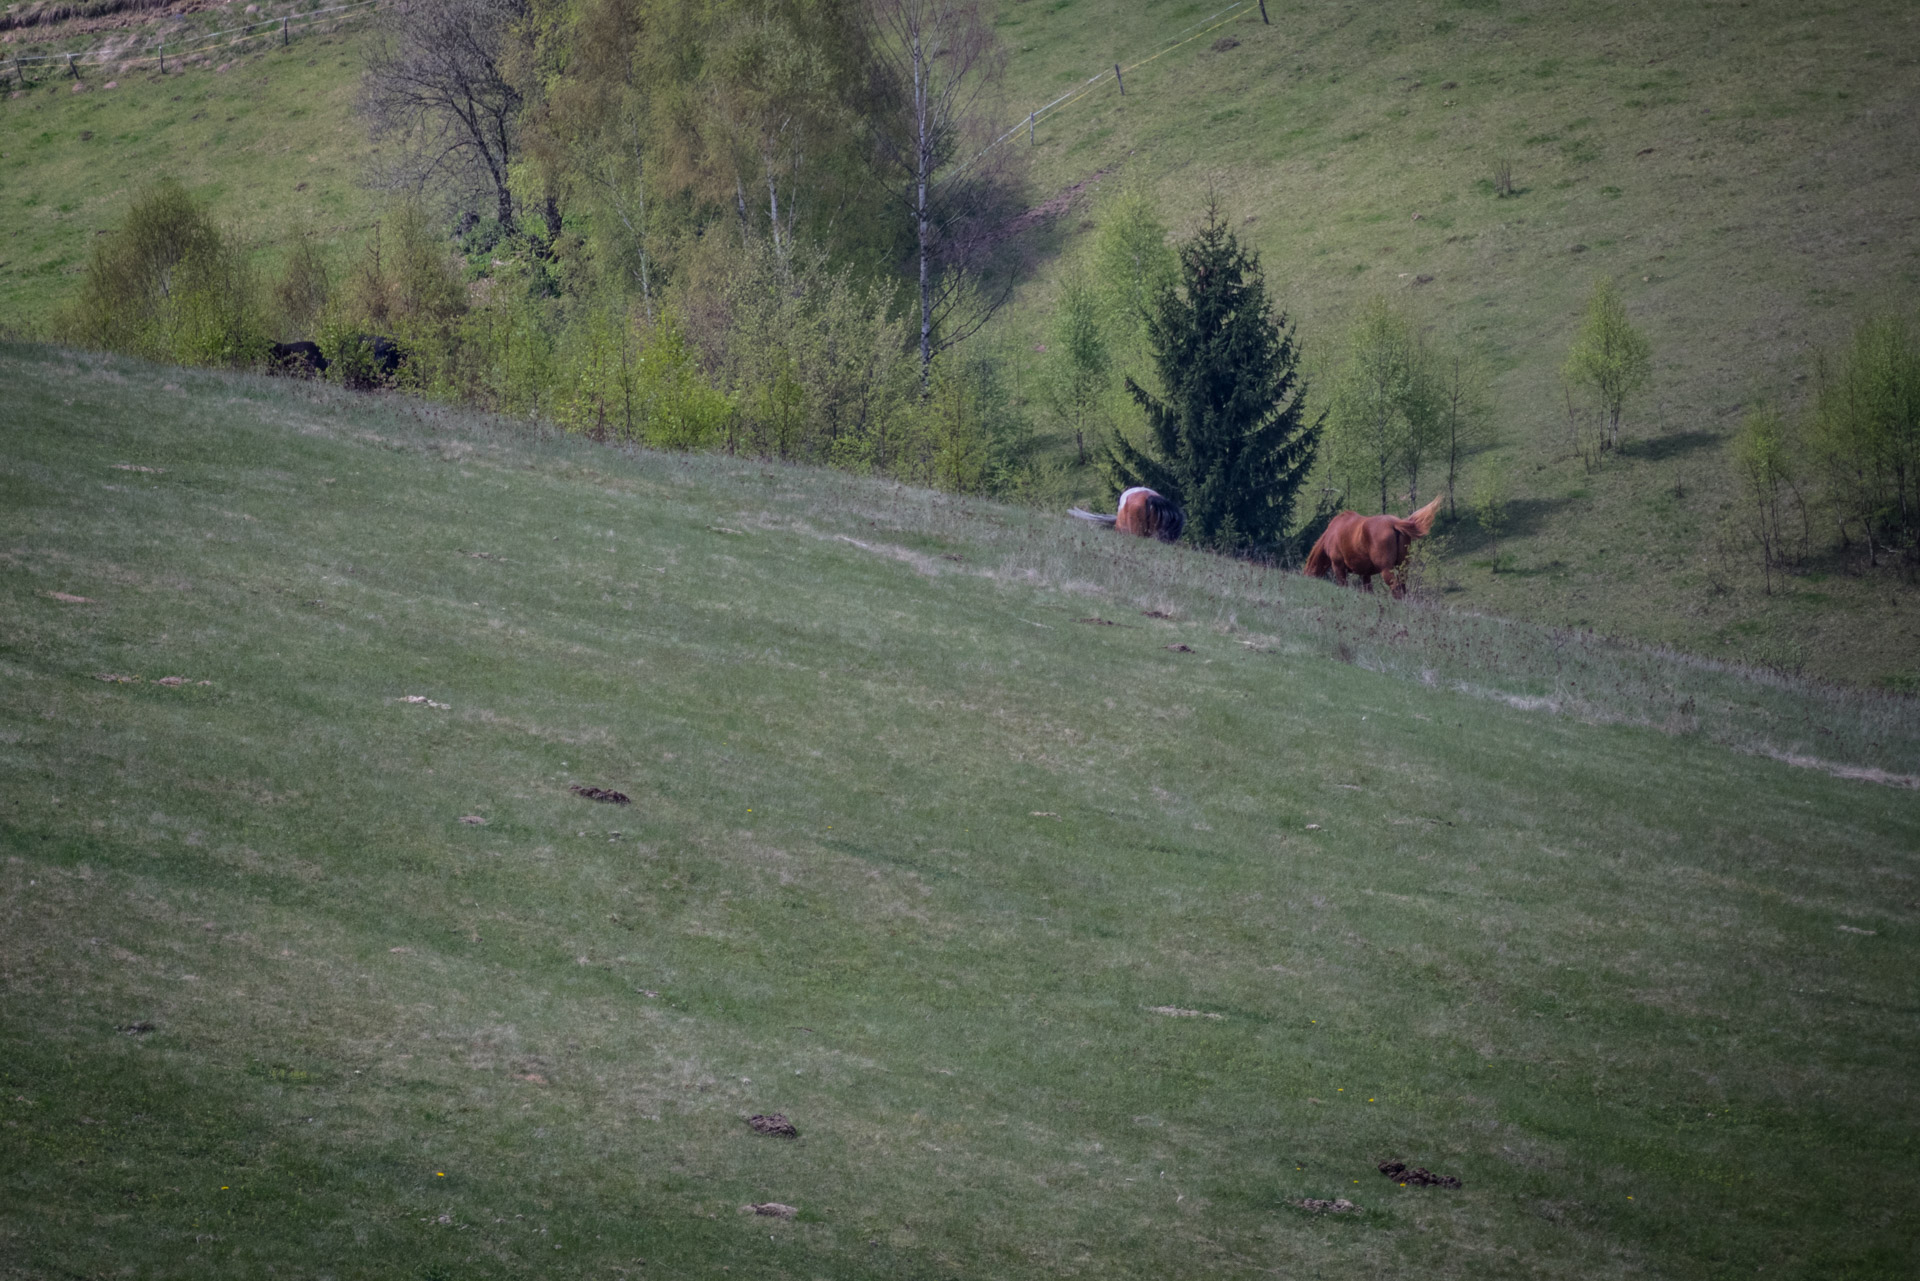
[(598, 375), (679, 408), (168, 285), (1610, 358), (304, 287), (1764, 467), (501, 353), (968, 440), (349, 352), (818, 368), (1866, 435)]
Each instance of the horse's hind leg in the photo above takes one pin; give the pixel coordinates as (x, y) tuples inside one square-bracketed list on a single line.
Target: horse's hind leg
[(1397, 586)]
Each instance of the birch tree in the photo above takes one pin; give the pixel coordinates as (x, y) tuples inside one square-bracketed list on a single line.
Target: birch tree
[(1610, 358), (940, 63)]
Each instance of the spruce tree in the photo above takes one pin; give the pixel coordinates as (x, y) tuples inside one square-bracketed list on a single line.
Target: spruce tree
[(1231, 442)]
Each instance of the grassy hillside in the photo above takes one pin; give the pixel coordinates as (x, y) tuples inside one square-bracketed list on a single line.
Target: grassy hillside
[(1071, 947), (1744, 169), (266, 136)]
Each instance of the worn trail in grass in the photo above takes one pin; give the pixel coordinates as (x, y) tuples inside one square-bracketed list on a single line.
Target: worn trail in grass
[(1065, 951)]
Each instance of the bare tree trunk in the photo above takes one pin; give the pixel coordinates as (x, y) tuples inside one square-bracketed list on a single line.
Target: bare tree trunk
[(922, 155), (638, 226), (773, 210), (938, 58), (503, 205)]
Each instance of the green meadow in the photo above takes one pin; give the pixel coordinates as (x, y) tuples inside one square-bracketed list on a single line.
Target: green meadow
[(1744, 170), (1087, 905), (270, 142)]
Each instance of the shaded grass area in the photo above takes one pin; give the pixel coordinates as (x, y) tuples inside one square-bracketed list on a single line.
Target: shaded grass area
[(914, 857)]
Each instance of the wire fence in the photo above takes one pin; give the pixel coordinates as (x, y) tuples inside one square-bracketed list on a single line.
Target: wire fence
[(180, 48), (1117, 73)]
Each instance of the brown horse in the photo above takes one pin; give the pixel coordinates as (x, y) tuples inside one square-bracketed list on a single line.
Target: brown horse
[(1141, 511), (1368, 545)]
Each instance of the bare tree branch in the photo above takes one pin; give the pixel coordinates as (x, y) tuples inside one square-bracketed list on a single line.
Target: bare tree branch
[(439, 90), (940, 61)]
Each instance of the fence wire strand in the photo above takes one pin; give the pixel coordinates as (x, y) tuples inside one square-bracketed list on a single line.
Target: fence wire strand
[(162, 46), (1079, 91)]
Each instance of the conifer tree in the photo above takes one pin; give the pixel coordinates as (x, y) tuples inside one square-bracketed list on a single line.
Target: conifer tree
[(1231, 442)]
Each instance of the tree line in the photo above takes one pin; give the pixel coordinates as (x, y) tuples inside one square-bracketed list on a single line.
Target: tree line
[(771, 226)]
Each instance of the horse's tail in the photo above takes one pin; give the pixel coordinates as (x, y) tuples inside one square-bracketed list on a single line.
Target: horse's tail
[(1421, 522), (1095, 517), (1319, 564)]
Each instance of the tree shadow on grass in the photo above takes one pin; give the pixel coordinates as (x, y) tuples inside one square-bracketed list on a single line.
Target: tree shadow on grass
[(1658, 449), (1525, 516)]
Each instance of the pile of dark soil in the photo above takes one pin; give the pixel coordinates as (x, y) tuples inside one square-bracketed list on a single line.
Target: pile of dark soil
[(774, 1124), (1414, 1176)]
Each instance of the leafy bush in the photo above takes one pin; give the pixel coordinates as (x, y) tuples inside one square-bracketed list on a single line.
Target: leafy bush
[(168, 285), (1866, 435), (964, 437), (679, 408), (350, 353), (1080, 361), (1610, 358), (1764, 467), (407, 283), (500, 354), (304, 287), (818, 367), (1383, 415)]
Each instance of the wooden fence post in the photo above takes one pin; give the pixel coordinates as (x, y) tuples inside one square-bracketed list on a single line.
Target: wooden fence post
[(1117, 80), (285, 37), (1029, 128), (70, 70), (1263, 13)]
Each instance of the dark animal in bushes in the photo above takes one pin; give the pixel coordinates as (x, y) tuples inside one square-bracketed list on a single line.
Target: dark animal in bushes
[(369, 360), (388, 355), (1143, 512), (296, 360), (1368, 545)]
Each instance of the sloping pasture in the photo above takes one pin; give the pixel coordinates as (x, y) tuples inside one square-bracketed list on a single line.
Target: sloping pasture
[(1070, 947)]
